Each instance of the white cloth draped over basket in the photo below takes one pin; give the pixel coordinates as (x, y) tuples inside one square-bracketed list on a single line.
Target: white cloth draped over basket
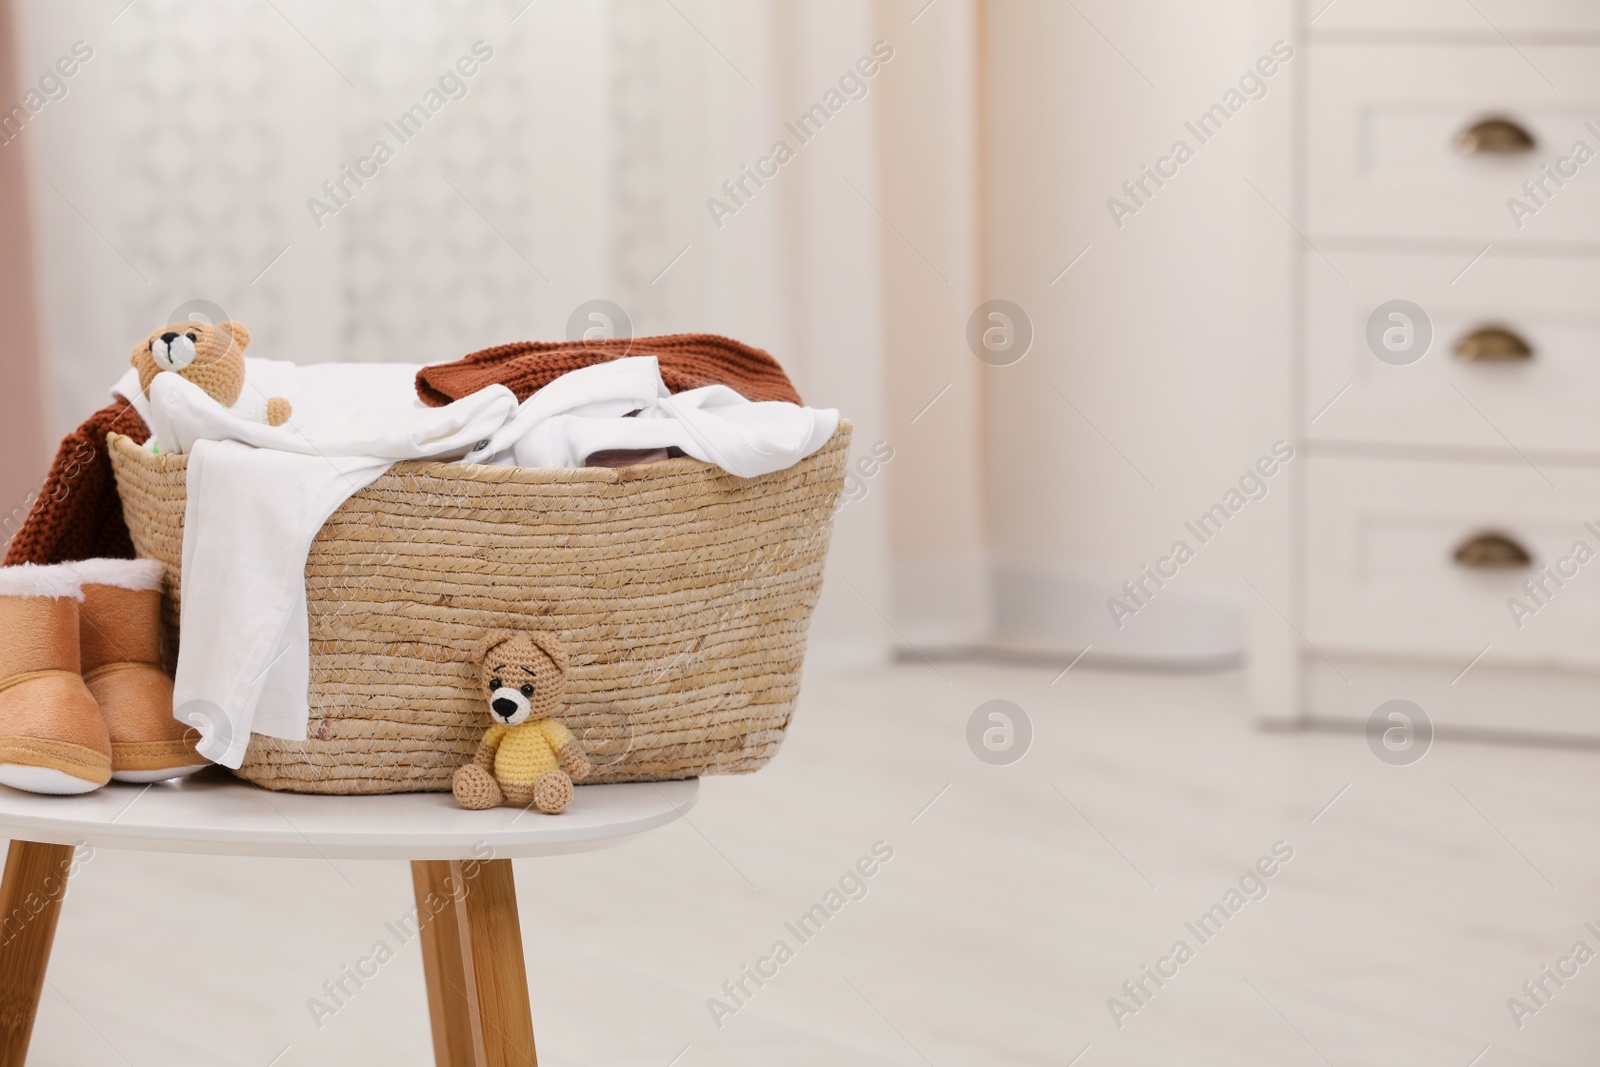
[(257, 495)]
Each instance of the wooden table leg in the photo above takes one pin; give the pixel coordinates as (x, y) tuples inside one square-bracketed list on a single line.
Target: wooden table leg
[(472, 953), (30, 903)]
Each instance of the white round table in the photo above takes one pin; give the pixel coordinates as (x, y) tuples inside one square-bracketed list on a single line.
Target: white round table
[(460, 870)]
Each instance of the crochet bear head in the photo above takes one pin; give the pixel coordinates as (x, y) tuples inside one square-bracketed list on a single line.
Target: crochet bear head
[(523, 675), (210, 356)]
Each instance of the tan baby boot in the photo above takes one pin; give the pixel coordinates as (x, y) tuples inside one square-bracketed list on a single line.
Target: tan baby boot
[(120, 633), (52, 737)]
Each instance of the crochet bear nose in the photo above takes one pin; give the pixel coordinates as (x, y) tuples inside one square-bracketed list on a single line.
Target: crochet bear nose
[(172, 350), (504, 708)]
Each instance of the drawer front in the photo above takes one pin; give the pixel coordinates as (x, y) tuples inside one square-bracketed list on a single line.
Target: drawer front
[(1546, 400), (1385, 127), (1488, 17), (1382, 579)]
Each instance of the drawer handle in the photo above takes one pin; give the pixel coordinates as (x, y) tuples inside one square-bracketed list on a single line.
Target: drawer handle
[(1493, 344), (1492, 551), (1495, 136)]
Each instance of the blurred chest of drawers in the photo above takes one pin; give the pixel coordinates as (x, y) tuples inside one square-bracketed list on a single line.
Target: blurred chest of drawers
[(1445, 541)]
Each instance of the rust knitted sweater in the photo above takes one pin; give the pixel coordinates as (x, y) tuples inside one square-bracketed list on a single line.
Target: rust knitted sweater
[(688, 361), (77, 514)]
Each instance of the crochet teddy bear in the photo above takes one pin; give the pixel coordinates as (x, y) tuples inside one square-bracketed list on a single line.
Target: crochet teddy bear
[(210, 356), (526, 756)]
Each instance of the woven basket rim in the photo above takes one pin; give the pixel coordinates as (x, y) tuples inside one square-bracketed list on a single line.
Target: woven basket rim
[(483, 472)]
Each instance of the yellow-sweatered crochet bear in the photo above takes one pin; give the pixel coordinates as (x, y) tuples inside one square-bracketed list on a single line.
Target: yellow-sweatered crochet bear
[(526, 757)]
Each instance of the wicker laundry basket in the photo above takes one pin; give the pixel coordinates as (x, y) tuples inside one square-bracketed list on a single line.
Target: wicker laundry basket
[(683, 595)]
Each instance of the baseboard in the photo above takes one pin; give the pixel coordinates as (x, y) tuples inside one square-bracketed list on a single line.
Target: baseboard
[(844, 655), (943, 603), (1062, 656), (1043, 610), (968, 607)]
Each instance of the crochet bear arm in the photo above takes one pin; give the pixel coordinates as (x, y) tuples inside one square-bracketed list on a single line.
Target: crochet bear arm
[(492, 737), (566, 748)]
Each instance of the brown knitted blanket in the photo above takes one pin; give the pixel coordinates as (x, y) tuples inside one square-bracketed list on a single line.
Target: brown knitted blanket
[(688, 361), (77, 513)]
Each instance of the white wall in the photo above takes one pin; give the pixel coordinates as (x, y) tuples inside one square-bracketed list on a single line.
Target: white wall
[(1136, 409), (928, 148)]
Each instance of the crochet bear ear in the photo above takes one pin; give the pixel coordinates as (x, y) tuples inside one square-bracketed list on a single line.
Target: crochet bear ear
[(238, 331), (551, 646), (489, 642)]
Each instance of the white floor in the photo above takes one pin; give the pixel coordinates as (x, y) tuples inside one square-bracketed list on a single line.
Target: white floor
[(1013, 907)]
